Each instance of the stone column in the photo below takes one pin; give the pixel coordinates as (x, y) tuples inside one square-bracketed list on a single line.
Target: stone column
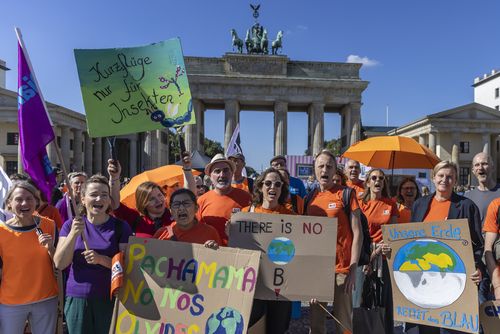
[(51, 150), (280, 127), (194, 132), (494, 154), (87, 166), (65, 150), (157, 149), (455, 152), (421, 139), (432, 141), (97, 159), (486, 143), (317, 127), (232, 117), (355, 123), (133, 155), (77, 149), (106, 154), (147, 150)]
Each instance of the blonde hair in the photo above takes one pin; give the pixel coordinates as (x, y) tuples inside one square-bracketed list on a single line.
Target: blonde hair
[(23, 185), (445, 164)]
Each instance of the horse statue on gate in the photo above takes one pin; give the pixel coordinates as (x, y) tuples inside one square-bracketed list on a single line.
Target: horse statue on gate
[(237, 42), (277, 43), (264, 42), (248, 42)]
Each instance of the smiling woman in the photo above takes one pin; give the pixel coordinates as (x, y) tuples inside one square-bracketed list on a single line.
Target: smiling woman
[(88, 308)]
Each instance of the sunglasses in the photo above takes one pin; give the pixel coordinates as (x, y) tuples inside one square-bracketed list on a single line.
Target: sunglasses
[(374, 178), (277, 184)]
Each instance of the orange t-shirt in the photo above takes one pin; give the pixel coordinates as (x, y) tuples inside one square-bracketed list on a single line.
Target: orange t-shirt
[(329, 204), (300, 204), (280, 209), (52, 213), (490, 220), (198, 234), (404, 213), (242, 185), (216, 210), (27, 273), (359, 187), (437, 210), (378, 212)]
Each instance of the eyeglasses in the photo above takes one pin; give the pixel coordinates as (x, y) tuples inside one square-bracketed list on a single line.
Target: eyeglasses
[(276, 184), (375, 177), (185, 204)]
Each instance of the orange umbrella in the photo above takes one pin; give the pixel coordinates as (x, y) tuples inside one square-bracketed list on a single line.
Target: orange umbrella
[(165, 176), (391, 152)]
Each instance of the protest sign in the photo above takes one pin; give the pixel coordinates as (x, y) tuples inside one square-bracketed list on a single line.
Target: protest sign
[(177, 287), (489, 316), (131, 90), (295, 249), (431, 264)]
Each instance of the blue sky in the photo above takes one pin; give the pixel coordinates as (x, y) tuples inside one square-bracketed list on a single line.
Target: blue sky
[(421, 56)]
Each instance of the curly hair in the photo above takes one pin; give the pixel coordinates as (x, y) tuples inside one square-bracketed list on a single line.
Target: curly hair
[(258, 195)]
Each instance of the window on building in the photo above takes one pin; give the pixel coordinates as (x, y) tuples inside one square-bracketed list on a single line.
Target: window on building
[(464, 147), (164, 138), (464, 175), (58, 141), (497, 92), (10, 167), (12, 138), (497, 107), (71, 141)]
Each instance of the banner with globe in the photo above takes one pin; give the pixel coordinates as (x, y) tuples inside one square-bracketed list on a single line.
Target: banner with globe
[(130, 90), (489, 316), (292, 248), (430, 267), (177, 287)]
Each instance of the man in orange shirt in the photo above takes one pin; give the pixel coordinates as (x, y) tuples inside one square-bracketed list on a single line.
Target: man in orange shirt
[(239, 181), (327, 201), (352, 169), (216, 206)]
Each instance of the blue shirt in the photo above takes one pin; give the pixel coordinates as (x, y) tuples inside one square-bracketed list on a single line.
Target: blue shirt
[(297, 187)]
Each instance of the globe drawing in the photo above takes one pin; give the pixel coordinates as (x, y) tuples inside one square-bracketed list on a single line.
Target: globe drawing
[(281, 250), (227, 320), (429, 273)]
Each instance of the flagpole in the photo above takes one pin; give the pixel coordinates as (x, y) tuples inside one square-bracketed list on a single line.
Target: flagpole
[(58, 150)]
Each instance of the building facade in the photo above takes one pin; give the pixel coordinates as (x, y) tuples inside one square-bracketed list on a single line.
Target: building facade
[(487, 90)]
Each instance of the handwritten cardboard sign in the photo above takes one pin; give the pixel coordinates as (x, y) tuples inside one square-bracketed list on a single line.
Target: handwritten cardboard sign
[(177, 287), (298, 254), (489, 315), (137, 89), (431, 264)]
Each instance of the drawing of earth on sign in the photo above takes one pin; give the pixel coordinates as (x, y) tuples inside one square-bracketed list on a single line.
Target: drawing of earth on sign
[(429, 273), (281, 250), (227, 320)]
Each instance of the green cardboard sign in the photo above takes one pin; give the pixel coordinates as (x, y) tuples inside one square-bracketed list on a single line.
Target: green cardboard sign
[(130, 90)]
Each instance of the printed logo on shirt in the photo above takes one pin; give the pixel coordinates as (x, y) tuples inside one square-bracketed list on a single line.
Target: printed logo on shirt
[(236, 210), (332, 205), (386, 212)]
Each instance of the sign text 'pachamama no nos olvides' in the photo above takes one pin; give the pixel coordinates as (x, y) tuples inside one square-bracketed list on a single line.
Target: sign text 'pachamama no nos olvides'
[(292, 248), (137, 89), (431, 264), (175, 287)]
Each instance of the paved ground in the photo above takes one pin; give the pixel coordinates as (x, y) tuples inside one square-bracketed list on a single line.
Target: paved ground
[(301, 326)]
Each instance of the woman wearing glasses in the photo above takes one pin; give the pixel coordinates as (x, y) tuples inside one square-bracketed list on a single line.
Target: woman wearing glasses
[(379, 209), (186, 227), (407, 194), (270, 195), (445, 204)]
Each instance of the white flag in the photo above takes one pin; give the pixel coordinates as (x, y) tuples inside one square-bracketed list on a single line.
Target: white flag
[(234, 145)]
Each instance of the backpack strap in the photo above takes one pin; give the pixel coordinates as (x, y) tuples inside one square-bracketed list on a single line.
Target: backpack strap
[(309, 197), (293, 198), (346, 200), (250, 185)]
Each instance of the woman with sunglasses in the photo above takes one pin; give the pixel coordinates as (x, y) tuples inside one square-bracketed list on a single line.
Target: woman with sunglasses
[(446, 204), (379, 209), (270, 194), (186, 227), (407, 194)]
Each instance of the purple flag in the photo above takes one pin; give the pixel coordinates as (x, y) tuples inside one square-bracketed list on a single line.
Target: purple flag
[(35, 128)]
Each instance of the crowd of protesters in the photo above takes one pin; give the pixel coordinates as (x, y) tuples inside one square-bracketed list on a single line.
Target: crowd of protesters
[(81, 240)]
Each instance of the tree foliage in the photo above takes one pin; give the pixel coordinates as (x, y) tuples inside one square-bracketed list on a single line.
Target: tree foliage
[(212, 147)]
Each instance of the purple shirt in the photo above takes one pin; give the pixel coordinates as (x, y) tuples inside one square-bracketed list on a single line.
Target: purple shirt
[(91, 280), (62, 206)]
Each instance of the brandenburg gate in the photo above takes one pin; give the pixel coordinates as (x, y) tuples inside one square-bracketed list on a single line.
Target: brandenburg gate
[(261, 82)]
